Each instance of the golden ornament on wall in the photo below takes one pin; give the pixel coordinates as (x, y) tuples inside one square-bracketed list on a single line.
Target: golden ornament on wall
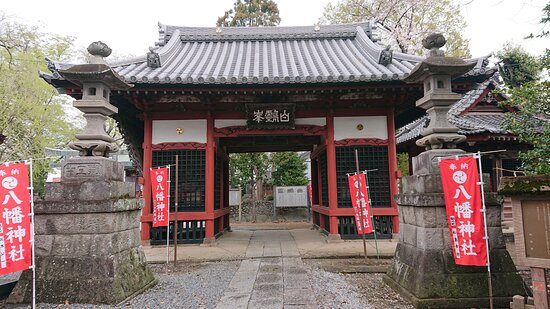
[(359, 127), (179, 130)]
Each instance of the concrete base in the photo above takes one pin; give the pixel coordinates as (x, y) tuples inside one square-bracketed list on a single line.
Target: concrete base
[(334, 238), (431, 279), (208, 242), (446, 303)]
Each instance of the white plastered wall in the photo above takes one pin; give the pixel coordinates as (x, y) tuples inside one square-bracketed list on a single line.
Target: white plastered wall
[(223, 123), (320, 121), (372, 127), (166, 131)]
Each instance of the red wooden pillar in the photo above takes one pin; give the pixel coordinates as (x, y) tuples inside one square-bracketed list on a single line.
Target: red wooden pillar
[(331, 175), (313, 183), (209, 179), (392, 161), (147, 164)]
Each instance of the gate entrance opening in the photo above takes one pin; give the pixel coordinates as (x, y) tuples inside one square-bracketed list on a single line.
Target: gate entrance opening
[(203, 206)]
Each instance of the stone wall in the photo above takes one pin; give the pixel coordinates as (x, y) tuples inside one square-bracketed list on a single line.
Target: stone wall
[(264, 212)]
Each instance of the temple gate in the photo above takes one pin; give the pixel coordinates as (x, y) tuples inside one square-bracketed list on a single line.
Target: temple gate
[(203, 93)]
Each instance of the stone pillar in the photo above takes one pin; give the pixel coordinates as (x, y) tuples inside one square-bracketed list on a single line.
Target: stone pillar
[(88, 247), (424, 270)]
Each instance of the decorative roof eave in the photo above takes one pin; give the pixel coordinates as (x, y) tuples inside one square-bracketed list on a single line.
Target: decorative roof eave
[(94, 73), (412, 130), (437, 65)]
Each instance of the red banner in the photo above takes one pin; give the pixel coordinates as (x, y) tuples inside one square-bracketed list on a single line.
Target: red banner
[(159, 188), (360, 202), (310, 194), (460, 180), (15, 225)]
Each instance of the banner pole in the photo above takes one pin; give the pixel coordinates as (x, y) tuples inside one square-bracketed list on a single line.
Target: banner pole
[(373, 225), (478, 156), (32, 237), (176, 213), (468, 154), (168, 220), (361, 204)]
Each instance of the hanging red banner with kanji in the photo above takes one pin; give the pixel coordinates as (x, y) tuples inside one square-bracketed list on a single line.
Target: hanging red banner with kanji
[(461, 188), (15, 225), (159, 188), (360, 202), (310, 194)]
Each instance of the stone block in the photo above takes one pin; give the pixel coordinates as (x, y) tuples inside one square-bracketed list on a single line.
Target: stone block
[(426, 216), (447, 243), (409, 234), (407, 215), (419, 200), (100, 280), (496, 238), (424, 183), (441, 217), (493, 199), (88, 244), (89, 191), (91, 223), (427, 162), (494, 216), (68, 206), (82, 169), (430, 238)]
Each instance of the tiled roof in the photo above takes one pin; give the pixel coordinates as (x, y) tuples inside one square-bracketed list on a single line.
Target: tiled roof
[(411, 130), (266, 55), (469, 123), (479, 123)]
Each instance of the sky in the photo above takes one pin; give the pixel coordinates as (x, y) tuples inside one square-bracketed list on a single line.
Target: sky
[(130, 27)]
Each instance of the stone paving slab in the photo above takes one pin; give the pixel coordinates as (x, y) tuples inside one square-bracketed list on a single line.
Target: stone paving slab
[(241, 244), (271, 276)]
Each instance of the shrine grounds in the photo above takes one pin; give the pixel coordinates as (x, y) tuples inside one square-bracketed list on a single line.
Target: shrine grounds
[(274, 265)]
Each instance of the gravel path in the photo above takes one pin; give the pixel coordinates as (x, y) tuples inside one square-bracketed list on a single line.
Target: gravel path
[(190, 286), (353, 290), (201, 285), (333, 291)]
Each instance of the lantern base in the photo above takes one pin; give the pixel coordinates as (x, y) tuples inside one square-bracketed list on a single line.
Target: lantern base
[(88, 247), (424, 270)]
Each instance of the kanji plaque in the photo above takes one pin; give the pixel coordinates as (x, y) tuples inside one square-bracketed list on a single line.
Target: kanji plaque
[(270, 116)]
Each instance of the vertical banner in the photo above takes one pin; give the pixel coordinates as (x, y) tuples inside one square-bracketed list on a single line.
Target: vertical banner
[(360, 202), (159, 187), (15, 224), (460, 180), (310, 194)]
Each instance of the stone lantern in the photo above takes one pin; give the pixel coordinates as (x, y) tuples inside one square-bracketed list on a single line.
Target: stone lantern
[(424, 270), (97, 80), (88, 247), (435, 74)]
